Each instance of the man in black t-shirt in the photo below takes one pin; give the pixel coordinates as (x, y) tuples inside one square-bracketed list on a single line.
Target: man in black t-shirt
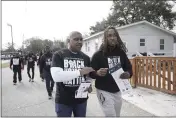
[(45, 64), (69, 69), (16, 64), (31, 58), (109, 58)]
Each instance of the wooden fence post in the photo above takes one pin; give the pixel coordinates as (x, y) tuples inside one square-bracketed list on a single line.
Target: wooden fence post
[(134, 72), (174, 75)]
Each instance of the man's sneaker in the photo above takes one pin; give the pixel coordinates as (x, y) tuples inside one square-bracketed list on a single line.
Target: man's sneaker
[(14, 83), (50, 97), (32, 80)]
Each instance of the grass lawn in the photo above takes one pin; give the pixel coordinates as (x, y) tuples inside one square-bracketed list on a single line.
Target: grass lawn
[(4, 65)]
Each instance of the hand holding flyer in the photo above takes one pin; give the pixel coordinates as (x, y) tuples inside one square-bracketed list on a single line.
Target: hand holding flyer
[(123, 84), (81, 93)]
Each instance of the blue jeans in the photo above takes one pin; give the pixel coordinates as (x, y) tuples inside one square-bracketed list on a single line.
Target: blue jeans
[(79, 110)]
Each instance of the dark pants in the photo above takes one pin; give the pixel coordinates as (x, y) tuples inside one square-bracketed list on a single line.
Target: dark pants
[(40, 73), (28, 72), (15, 75), (49, 84), (79, 110)]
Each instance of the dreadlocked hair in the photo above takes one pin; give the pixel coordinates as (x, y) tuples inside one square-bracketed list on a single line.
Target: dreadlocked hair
[(104, 46)]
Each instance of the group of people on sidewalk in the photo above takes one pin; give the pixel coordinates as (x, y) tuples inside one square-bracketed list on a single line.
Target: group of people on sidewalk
[(70, 67), (17, 63), (43, 62)]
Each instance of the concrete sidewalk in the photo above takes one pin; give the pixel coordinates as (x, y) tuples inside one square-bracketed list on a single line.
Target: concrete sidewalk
[(127, 108), (155, 102), (30, 99)]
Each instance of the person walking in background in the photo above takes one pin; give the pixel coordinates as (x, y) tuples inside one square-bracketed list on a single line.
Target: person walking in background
[(112, 53), (69, 69), (16, 64), (24, 61), (31, 58), (45, 64), (38, 63), (39, 57)]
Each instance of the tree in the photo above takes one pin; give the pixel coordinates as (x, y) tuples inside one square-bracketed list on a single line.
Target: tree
[(85, 35), (58, 44), (9, 47), (158, 12), (99, 26), (48, 42), (34, 44)]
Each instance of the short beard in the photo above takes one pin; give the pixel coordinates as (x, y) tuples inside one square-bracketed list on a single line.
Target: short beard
[(111, 48)]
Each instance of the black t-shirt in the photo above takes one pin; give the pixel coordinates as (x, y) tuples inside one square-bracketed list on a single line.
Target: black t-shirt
[(110, 60), (17, 62), (31, 61), (65, 91), (45, 63)]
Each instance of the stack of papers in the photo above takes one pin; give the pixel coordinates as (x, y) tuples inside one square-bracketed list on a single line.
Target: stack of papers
[(81, 93), (123, 84)]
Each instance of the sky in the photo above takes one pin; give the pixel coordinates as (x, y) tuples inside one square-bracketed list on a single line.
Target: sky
[(50, 19)]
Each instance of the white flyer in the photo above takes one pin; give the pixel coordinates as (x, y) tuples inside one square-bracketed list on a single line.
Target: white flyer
[(81, 93), (123, 84)]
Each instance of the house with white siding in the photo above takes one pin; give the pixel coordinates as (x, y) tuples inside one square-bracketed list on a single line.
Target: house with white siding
[(139, 37)]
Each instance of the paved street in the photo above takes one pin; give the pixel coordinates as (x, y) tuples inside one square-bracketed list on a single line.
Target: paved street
[(30, 99)]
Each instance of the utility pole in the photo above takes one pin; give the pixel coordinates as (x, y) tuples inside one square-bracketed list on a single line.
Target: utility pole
[(11, 35), (23, 44)]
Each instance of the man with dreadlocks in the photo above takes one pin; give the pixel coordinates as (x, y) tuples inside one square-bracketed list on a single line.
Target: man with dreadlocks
[(112, 52)]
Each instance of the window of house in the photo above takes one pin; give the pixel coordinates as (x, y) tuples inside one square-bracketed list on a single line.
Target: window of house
[(86, 46), (96, 46), (88, 49), (142, 42), (161, 44)]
